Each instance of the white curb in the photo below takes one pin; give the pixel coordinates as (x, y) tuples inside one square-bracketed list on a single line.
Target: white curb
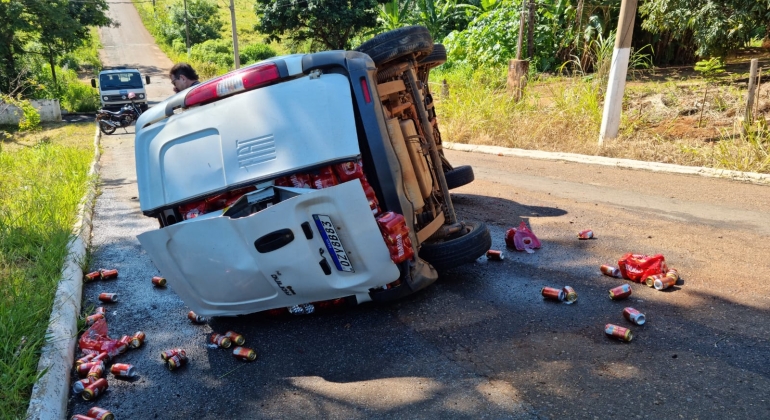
[(51, 391), (752, 177)]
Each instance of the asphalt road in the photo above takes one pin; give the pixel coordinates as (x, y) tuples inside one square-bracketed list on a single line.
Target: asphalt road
[(481, 342)]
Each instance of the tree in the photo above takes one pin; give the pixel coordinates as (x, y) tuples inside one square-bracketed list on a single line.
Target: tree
[(717, 26), (15, 31), (330, 23), (203, 22)]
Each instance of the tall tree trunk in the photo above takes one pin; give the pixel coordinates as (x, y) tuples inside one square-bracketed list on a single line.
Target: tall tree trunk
[(52, 62)]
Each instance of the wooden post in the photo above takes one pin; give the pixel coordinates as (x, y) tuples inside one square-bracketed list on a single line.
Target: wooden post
[(531, 30), (444, 89), (517, 77), (521, 29), (747, 118), (759, 90)]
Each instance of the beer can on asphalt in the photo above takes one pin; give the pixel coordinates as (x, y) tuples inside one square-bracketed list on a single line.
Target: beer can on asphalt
[(80, 385), (570, 295), (96, 372), (95, 389), (90, 319), (100, 413), (167, 354), (245, 353), (611, 271), (92, 276), (103, 356), (123, 370), (650, 280), (81, 417), (109, 274), (634, 316), (85, 359), (176, 361), (221, 340), (665, 282), (618, 332), (137, 340), (235, 338), (673, 273), (586, 234), (495, 255), (84, 368), (100, 310), (108, 297), (621, 292), (159, 281), (192, 316), (552, 293)]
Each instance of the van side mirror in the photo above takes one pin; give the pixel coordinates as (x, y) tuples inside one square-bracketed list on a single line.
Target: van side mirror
[(147, 79), (93, 83)]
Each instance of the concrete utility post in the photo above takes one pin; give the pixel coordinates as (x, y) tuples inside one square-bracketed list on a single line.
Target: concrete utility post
[(613, 100), (186, 30), (235, 36)]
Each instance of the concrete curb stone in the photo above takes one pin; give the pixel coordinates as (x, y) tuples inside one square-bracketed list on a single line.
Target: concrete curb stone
[(51, 391), (752, 177)]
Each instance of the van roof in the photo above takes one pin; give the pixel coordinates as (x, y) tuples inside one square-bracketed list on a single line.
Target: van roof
[(117, 70)]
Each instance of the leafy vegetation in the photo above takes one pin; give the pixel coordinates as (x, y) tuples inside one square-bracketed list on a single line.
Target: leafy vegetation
[(46, 171)]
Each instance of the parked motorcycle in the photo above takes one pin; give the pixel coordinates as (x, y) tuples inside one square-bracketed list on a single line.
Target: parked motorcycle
[(109, 121)]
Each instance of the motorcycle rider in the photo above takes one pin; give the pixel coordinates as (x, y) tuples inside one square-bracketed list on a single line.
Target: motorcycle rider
[(182, 76)]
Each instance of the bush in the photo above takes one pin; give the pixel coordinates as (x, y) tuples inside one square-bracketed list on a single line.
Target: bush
[(30, 118), (217, 51), (254, 53)]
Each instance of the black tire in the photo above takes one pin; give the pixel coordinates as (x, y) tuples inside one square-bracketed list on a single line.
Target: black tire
[(436, 57), (106, 128), (459, 176), (392, 45), (458, 250)]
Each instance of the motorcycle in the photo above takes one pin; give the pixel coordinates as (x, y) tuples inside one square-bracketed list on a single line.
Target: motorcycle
[(109, 121)]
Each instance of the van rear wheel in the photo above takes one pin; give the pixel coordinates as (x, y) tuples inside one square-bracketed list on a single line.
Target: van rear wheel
[(464, 247), (395, 44)]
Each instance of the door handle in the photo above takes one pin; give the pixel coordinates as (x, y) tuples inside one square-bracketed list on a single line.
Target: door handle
[(274, 240)]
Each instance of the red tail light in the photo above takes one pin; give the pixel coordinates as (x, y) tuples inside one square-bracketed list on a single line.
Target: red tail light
[(365, 88), (238, 81)]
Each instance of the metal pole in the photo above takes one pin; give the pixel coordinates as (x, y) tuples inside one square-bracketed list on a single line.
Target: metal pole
[(235, 36), (613, 100), (186, 30)]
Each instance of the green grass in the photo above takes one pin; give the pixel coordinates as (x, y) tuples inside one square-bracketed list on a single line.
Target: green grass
[(43, 176)]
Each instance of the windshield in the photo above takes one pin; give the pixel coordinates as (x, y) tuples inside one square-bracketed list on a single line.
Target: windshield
[(115, 81)]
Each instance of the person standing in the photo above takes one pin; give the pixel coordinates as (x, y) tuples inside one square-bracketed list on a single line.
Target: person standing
[(183, 76)]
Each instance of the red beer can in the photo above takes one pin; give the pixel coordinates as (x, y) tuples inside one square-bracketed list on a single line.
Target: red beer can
[(570, 295), (90, 319), (96, 372), (235, 338), (650, 280), (84, 368), (108, 297), (95, 389), (220, 340), (80, 385), (673, 273), (109, 274), (124, 370), (245, 353), (103, 357), (195, 318), (100, 413), (495, 255), (100, 310), (81, 417), (665, 282), (167, 354), (92, 276), (552, 293), (611, 271), (621, 292), (85, 359), (159, 281), (176, 361), (137, 340), (621, 333), (586, 234), (634, 316)]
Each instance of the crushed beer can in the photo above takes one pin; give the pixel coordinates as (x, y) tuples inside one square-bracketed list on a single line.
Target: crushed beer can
[(195, 318), (103, 357), (634, 316), (95, 389), (495, 255), (586, 234), (176, 361), (123, 370), (108, 297), (621, 292), (618, 332), (552, 293), (100, 413), (92, 276), (236, 338), (167, 354), (245, 353), (100, 310), (158, 281), (80, 385), (137, 340), (109, 274), (674, 273), (611, 271), (650, 280), (221, 341), (570, 295)]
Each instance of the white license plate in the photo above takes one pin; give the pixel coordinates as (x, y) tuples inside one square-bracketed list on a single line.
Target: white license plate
[(333, 243)]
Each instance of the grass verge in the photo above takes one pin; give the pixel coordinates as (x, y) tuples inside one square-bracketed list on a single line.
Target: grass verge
[(43, 176)]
